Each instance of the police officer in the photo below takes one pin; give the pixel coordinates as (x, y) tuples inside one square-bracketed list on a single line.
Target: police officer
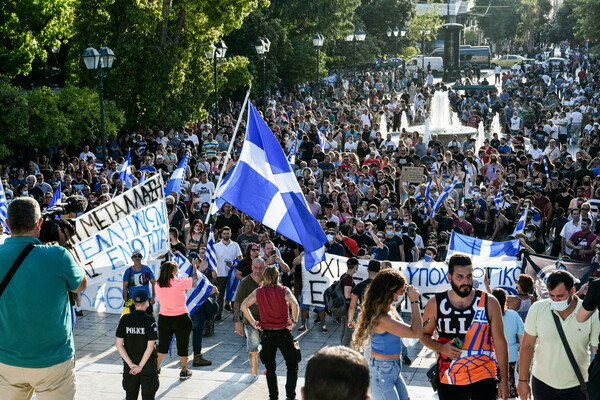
[(136, 336)]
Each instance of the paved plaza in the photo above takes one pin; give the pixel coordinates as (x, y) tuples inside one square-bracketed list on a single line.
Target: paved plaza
[(99, 365)]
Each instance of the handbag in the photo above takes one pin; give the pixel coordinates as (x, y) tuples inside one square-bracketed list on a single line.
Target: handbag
[(563, 338), (210, 308), (433, 376), (13, 269), (594, 378)]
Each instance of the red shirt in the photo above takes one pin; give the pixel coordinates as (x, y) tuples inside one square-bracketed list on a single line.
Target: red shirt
[(273, 307)]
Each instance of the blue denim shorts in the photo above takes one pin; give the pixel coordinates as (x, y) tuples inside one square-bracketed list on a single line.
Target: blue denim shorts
[(307, 306), (252, 338)]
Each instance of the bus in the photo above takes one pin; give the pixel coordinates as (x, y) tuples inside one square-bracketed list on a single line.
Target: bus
[(470, 55)]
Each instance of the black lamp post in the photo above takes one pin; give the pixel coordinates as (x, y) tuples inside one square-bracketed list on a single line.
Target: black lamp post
[(317, 40), (215, 52), (99, 60), (262, 47), (424, 33), (358, 36)]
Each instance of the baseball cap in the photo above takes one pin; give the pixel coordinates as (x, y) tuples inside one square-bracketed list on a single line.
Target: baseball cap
[(141, 296), (136, 251), (159, 156), (352, 261), (374, 266), (530, 227)]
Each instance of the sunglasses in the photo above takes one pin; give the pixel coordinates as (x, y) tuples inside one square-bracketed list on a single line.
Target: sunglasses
[(136, 256)]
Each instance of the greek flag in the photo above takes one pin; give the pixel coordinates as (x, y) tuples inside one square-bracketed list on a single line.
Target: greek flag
[(263, 186), (291, 157), (442, 197), (174, 184), (185, 266), (99, 165), (546, 166), (521, 224), (321, 141), (56, 197), (143, 178), (211, 255), (498, 199), (198, 296), (3, 208), (484, 252), (125, 172), (232, 281), (468, 177)]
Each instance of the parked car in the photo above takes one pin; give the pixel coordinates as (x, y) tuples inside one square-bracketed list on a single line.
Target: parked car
[(437, 64), (508, 60)]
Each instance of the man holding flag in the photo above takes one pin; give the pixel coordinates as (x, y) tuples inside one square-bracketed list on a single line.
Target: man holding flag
[(226, 251)]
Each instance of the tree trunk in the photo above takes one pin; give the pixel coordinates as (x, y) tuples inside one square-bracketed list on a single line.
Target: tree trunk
[(165, 22), (179, 25)]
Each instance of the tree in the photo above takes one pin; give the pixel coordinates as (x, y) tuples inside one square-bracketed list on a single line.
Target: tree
[(587, 13), (562, 24), (28, 29), (14, 118), (534, 15), (428, 20), (497, 20), (470, 37)]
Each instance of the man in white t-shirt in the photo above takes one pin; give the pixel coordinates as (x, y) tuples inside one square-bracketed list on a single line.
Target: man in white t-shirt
[(535, 151), (576, 121), (203, 190), (226, 252), (497, 72), (516, 124), (350, 145), (86, 153)]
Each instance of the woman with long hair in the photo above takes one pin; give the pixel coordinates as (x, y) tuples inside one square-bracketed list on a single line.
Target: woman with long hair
[(244, 268), (195, 237), (379, 321), (173, 317)]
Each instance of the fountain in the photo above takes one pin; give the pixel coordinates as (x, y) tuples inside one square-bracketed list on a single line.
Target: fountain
[(442, 122), (404, 120), (496, 124), (480, 136)]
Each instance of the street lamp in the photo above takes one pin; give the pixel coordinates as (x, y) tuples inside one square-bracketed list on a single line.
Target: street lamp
[(317, 40), (262, 47), (216, 51), (358, 36), (424, 33), (99, 60)]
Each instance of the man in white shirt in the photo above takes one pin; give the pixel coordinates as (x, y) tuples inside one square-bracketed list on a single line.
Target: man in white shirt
[(365, 119), (203, 190), (497, 72), (350, 145), (569, 229), (226, 251), (576, 121), (551, 151), (516, 124), (388, 145), (86, 153)]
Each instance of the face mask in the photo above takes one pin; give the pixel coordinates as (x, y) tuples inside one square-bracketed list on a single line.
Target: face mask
[(389, 233), (396, 303), (528, 184), (197, 229), (528, 235), (461, 213), (25, 193), (330, 237), (427, 257), (372, 215), (399, 233), (405, 223), (559, 305)]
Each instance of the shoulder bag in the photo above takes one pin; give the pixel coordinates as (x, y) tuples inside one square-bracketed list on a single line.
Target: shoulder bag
[(13, 269)]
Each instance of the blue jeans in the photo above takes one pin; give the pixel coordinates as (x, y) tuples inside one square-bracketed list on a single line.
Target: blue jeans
[(386, 380), (198, 318)]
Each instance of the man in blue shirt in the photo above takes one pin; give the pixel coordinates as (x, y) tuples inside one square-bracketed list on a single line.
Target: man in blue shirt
[(138, 277)]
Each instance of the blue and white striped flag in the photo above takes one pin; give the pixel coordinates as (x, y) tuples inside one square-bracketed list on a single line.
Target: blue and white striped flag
[(125, 174), (468, 178), (174, 184), (428, 198), (185, 266), (521, 224), (484, 252), (291, 157), (442, 197), (143, 178), (263, 186), (546, 167), (321, 141), (99, 164), (232, 281), (57, 196), (498, 199), (211, 255), (3, 208), (198, 296)]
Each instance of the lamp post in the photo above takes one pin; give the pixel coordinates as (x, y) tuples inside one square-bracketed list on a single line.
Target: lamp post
[(99, 60), (358, 36), (317, 40), (216, 51), (424, 33), (262, 47)]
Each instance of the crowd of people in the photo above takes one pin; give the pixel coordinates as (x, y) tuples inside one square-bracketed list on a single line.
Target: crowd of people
[(543, 160)]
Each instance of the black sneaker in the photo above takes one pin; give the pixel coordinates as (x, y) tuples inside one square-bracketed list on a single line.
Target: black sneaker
[(185, 374), (218, 318), (79, 313), (317, 320), (406, 360), (228, 308)]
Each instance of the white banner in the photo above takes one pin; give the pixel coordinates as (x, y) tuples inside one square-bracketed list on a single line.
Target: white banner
[(106, 236), (428, 277)]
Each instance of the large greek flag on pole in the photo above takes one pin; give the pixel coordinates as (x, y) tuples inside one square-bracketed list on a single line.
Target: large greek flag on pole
[(174, 184), (521, 224), (483, 251), (3, 208), (125, 174), (263, 186)]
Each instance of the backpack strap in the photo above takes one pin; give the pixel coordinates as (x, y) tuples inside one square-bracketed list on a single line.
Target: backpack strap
[(13, 269)]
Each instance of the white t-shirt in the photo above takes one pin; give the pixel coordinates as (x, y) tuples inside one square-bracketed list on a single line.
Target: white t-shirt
[(535, 153), (350, 146), (226, 252), (84, 156), (204, 191)]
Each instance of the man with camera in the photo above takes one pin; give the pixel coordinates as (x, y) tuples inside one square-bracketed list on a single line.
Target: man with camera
[(35, 283)]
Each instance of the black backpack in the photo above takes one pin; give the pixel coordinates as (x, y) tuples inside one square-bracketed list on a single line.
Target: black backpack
[(335, 300)]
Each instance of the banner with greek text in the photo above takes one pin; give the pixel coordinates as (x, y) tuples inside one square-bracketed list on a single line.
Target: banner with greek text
[(428, 277)]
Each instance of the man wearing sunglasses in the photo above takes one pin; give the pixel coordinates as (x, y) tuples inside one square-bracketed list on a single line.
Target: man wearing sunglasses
[(138, 277)]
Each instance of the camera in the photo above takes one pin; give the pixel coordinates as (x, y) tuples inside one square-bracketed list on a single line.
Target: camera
[(49, 231)]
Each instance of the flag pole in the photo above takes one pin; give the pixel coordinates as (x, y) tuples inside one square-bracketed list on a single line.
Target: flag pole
[(231, 143)]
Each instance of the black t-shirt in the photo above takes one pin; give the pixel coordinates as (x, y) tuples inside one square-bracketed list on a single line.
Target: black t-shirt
[(409, 244), (377, 223), (307, 150), (393, 245), (244, 240), (363, 241), (360, 289), (137, 328), (564, 201), (286, 248), (558, 224), (233, 222), (592, 298), (180, 247)]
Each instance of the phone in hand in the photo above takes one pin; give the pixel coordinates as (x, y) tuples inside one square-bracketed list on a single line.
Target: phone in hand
[(487, 273), (427, 321), (456, 342)]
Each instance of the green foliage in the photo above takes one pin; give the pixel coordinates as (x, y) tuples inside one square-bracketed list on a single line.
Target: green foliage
[(470, 37), (562, 24), (430, 20), (587, 13), (504, 17), (14, 118), (28, 29)]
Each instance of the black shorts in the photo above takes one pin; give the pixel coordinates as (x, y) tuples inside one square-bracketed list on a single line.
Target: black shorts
[(180, 326), (486, 389)]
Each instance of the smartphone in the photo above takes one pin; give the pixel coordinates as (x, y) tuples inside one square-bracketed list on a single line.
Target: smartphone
[(427, 321), (487, 273), (590, 280), (456, 342)]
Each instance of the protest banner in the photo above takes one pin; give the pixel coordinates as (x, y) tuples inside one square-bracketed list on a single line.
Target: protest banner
[(106, 236), (412, 174), (428, 277)]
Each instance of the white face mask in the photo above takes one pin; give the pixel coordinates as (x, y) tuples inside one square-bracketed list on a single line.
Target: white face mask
[(330, 238), (197, 229), (559, 305), (389, 233), (372, 215), (461, 213), (528, 235)]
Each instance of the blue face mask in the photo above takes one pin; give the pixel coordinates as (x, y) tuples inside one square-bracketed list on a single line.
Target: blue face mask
[(427, 258)]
